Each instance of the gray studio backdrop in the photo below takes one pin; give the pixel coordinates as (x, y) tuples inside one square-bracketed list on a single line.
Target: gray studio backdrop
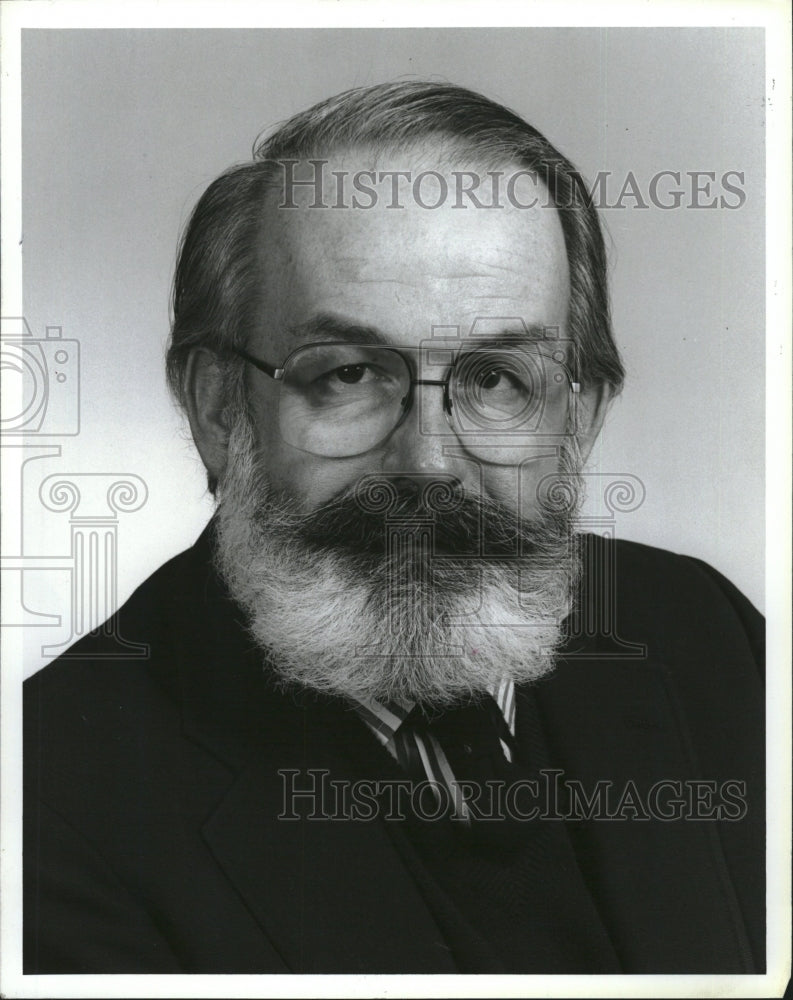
[(122, 130)]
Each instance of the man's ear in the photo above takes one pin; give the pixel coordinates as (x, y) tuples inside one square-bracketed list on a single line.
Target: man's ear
[(206, 410), (593, 405)]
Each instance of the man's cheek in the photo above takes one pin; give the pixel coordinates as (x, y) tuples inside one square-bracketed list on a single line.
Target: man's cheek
[(309, 480)]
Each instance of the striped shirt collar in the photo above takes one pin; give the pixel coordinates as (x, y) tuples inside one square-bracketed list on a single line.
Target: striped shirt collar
[(385, 718)]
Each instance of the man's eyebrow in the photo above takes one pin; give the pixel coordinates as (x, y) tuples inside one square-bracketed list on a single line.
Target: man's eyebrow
[(329, 326), (510, 335)]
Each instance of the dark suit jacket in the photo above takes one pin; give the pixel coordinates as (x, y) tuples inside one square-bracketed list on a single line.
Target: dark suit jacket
[(152, 793)]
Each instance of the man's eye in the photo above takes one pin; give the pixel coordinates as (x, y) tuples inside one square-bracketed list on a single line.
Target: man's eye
[(499, 379), (489, 380), (350, 374), (356, 374)]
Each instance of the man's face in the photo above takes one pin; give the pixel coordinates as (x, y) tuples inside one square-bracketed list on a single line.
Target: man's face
[(336, 602), (397, 273)]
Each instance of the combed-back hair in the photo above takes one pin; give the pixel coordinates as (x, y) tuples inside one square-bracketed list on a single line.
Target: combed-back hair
[(223, 250)]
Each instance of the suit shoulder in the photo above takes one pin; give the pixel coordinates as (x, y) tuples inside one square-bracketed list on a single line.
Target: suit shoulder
[(123, 670), (140, 631), (682, 606), (638, 563)]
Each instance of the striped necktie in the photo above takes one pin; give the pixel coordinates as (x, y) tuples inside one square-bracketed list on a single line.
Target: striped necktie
[(456, 752)]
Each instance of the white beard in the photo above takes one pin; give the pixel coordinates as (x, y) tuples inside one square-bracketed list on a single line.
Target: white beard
[(389, 627)]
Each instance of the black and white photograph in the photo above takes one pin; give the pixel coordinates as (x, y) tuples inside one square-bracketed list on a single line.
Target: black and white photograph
[(396, 505)]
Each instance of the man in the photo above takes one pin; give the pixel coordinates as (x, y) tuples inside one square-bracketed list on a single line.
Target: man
[(378, 730)]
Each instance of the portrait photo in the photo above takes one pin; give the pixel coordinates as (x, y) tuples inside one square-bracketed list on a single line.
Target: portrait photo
[(395, 502)]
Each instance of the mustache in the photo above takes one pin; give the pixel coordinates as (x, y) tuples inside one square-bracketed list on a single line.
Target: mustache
[(440, 516)]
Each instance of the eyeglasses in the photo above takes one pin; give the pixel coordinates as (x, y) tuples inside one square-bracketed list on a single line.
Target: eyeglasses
[(339, 400)]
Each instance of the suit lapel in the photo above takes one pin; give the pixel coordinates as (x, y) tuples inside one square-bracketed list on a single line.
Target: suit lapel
[(330, 892)]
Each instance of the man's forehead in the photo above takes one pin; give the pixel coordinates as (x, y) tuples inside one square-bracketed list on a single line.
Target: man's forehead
[(368, 237)]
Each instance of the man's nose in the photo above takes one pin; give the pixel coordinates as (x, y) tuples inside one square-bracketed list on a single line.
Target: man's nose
[(424, 441)]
